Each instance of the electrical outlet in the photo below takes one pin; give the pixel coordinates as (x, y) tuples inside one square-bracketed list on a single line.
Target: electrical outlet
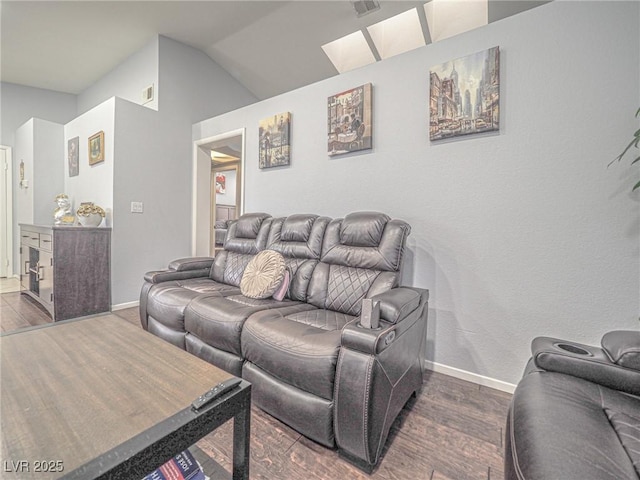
[(136, 207)]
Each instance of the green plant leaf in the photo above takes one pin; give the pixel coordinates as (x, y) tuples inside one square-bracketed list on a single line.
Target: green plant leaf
[(634, 143)]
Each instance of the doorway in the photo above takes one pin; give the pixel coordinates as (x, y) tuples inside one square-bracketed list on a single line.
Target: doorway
[(225, 179), (6, 213), (219, 189)]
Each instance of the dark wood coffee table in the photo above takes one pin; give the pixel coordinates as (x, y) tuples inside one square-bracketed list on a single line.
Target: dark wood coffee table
[(100, 398)]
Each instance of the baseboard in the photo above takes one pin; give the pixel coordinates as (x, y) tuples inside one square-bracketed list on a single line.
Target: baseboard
[(470, 377), (122, 306)]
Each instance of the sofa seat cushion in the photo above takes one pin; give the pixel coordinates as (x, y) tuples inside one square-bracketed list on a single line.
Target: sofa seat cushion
[(308, 414), (300, 349), (207, 285), (218, 320), (166, 303), (564, 427)]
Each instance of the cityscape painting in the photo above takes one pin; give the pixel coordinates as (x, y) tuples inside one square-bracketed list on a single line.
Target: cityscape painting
[(349, 120), (464, 95), (275, 149)]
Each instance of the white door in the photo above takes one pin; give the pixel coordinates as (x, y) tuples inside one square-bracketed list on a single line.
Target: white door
[(6, 217)]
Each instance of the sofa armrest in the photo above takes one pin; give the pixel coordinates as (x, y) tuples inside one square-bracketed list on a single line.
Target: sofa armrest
[(368, 340), (400, 308), (588, 362), (397, 303), (377, 371), (182, 269), (191, 263)]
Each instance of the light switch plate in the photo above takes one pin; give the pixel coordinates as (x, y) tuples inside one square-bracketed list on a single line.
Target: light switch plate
[(136, 207)]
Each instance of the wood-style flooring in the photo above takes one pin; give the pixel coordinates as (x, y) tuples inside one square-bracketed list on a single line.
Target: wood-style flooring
[(453, 430)]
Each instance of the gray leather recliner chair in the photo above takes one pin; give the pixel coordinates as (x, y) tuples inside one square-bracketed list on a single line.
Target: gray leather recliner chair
[(575, 414)]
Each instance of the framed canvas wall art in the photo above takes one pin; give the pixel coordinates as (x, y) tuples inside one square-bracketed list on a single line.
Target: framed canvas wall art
[(73, 151), (221, 183), (464, 95), (275, 146), (96, 148), (349, 120)]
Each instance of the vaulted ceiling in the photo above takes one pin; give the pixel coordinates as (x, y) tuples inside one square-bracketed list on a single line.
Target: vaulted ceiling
[(270, 47)]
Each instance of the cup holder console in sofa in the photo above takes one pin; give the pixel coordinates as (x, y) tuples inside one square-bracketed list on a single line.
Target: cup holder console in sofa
[(571, 348), (576, 412), (311, 363)]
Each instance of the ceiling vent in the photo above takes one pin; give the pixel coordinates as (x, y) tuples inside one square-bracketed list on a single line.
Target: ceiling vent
[(364, 7), (147, 94)]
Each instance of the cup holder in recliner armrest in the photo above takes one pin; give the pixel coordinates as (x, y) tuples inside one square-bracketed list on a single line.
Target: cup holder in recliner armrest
[(557, 355), (583, 361), (572, 348)]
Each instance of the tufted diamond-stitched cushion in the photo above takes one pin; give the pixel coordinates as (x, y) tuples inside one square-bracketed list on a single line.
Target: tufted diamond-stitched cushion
[(263, 275), (628, 430)]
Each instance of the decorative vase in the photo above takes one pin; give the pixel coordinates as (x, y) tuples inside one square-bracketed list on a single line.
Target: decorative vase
[(63, 215), (90, 215)]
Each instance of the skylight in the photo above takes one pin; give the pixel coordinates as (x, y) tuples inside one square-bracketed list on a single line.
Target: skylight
[(405, 31), (349, 52), (397, 34), (447, 18)]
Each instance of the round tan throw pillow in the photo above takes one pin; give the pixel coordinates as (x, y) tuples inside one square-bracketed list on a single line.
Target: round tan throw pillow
[(263, 275)]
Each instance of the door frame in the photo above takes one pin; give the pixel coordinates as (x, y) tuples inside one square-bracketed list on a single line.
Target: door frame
[(6, 212), (201, 215)]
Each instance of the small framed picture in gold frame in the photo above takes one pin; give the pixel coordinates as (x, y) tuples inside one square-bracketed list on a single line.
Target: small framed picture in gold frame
[(96, 148)]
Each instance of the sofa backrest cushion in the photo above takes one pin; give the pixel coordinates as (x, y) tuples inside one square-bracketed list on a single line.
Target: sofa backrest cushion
[(366, 240), (361, 257), (299, 239), (245, 238), (249, 233), (298, 236)]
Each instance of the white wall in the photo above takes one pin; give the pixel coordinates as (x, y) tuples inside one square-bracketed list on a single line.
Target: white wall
[(127, 80), (153, 164), (147, 152), (19, 103), (516, 235), (94, 183), (38, 143), (47, 175), (23, 197), (194, 86), (39, 146), (144, 172)]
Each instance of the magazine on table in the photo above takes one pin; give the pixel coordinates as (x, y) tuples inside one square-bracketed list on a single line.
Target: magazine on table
[(181, 467)]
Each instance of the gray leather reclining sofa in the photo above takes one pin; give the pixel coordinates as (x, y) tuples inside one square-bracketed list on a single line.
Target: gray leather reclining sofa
[(310, 361), (575, 415)]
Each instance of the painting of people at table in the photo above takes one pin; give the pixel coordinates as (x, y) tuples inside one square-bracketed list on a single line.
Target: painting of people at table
[(275, 149), (349, 118)]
